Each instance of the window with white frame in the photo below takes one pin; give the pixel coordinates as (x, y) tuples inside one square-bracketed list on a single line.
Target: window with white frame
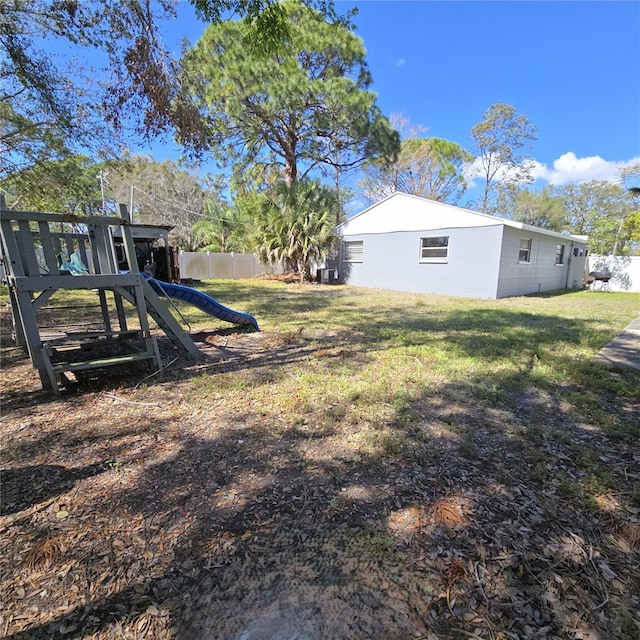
[(559, 254), (353, 251), (434, 249), (524, 254)]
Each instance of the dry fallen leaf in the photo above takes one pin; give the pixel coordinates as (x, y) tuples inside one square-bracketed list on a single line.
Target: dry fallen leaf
[(606, 571)]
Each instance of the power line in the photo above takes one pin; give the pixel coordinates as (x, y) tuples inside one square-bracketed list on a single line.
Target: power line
[(182, 208), (173, 203)]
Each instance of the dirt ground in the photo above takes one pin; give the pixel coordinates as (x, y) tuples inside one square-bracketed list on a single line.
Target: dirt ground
[(129, 510)]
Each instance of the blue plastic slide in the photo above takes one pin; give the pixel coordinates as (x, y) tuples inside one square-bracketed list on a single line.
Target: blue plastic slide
[(202, 301)]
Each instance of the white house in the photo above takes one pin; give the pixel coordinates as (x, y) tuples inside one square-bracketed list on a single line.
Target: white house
[(408, 243)]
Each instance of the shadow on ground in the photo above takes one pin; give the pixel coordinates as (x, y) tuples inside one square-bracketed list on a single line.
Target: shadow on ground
[(492, 505)]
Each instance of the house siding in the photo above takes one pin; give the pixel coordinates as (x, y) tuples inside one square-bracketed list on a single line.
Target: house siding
[(483, 253), (541, 273), (392, 261)]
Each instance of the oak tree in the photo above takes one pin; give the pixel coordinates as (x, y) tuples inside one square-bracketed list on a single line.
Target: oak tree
[(68, 185), (162, 193), (599, 209), (542, 208)]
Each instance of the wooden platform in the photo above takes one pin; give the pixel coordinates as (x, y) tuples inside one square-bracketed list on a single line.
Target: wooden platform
[(45, 254)]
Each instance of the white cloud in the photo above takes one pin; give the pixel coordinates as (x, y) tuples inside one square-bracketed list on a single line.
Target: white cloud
[(569, 168), (399, 62)]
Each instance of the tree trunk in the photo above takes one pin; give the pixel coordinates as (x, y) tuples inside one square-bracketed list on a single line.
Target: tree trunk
[(485, 197), (304, 268), (290, 157), (290, 171), (618, 232)]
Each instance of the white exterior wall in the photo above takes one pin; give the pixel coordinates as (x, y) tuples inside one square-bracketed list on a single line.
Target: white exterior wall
[(624, 269), (403, 212), (392, 261), (483, 251), (541, 273), (209, 266)]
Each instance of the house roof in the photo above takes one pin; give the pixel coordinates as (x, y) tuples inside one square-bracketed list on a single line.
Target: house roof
[(413, 213)]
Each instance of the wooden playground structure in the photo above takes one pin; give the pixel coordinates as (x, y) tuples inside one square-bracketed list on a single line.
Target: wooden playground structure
[(45, 253)]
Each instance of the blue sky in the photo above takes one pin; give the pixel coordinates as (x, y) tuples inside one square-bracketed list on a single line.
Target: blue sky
[(572, 68)]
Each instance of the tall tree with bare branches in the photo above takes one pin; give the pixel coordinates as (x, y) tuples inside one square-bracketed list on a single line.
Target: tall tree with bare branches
[(501, 139)]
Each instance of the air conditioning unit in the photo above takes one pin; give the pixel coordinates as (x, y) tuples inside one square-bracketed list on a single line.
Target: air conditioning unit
[(327, 276)]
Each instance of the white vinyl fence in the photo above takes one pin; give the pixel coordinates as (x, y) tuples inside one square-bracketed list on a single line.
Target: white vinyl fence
[(625, 271), (211, 266)]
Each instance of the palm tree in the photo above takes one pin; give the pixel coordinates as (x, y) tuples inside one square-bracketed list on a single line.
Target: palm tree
[(295, 225), (224, 229)]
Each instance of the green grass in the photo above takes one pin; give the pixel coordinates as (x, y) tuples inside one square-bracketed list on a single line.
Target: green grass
[(387, 401), (378, 365), (381, 363)]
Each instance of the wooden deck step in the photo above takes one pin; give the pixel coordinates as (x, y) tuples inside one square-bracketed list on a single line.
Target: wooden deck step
[(123, 335), (103, 362), (65, 336)]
